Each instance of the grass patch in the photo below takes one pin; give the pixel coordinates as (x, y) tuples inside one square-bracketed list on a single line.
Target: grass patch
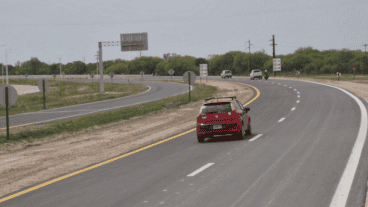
[(74, 125), (64, 93)]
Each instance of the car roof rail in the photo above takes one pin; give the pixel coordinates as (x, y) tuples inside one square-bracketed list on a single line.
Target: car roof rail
[(232, 98), (207, 99)]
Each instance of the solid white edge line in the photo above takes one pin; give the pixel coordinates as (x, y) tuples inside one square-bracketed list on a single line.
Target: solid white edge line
[(256, 137), (282, 119), (200, 169), (343, 189)]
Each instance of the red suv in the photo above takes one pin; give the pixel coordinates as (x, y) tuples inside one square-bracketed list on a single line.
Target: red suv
[(223, 116)]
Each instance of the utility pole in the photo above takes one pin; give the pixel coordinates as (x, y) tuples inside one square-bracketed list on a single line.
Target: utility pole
[(365, 45), (249, 54), (6, 66), (273, 46), (97, 62), (102, 90)]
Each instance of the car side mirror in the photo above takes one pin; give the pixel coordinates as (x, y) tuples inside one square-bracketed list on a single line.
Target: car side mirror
[(246, 109)]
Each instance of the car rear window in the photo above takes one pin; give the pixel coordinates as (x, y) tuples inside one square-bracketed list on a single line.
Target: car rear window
[(216, 108)]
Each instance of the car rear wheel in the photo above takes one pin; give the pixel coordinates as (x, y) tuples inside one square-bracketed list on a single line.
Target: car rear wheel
[(241, 134), (249, 130), (200, 138)]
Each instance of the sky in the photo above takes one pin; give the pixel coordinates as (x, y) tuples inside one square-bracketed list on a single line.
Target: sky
[(71, 29)]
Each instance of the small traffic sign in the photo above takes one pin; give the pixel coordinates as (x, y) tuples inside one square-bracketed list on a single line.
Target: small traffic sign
[(354, 69), (171, 71), (192, 77), (12, 94), (47, 84)]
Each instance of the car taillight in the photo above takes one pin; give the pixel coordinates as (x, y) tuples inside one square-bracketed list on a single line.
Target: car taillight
[(229, 113), (204, 117)]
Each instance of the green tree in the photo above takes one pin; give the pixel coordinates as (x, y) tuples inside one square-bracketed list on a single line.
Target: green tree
[(199, 61), (78, 67), (162, 68), (182, 64), (34, 67), (55, 69), (364, 64)]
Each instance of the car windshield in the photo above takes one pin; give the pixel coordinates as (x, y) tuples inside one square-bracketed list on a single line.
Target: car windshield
[(216, 108)]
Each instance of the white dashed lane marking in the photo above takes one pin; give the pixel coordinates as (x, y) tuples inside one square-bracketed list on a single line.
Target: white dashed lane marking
[(200, 169), (297, 101), (282, 119), (298, 96), (297, 92), (293, 109), (256, 137), (294, 89)]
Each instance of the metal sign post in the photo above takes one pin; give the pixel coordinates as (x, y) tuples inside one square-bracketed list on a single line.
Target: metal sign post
[(171, 72), (189, 78), (43, 85), (8, 97)]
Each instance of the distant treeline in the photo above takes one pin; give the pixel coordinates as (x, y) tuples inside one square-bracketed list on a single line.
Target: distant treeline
[(307, 61)]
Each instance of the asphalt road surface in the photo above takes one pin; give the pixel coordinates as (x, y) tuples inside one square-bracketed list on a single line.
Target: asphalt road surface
[(156, 91), (305, 134)]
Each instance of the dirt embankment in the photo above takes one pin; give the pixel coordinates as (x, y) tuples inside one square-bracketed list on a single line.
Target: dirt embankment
[(22, 166)]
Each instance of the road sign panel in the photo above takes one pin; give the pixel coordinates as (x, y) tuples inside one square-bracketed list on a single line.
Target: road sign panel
[(111, 75), (12, 95), (203, 70), (40, 86), (134, 41), (277, 64), (171, 71), (192, 77)]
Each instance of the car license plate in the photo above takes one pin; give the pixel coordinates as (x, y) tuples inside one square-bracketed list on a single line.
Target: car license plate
[(217, 126)]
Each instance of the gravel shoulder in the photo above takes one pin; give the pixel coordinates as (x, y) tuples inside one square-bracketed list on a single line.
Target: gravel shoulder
[(25, 164)]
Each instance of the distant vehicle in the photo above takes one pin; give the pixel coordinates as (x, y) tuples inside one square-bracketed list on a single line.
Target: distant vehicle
[(226, 73), (256, 74), (223, 116)]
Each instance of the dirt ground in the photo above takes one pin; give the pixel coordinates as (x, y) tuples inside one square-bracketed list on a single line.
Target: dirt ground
[(24, 164)]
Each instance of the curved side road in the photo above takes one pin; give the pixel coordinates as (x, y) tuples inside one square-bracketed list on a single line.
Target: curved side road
[(156, 91)]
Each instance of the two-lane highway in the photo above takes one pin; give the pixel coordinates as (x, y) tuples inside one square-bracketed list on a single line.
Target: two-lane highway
[(306, 137)]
